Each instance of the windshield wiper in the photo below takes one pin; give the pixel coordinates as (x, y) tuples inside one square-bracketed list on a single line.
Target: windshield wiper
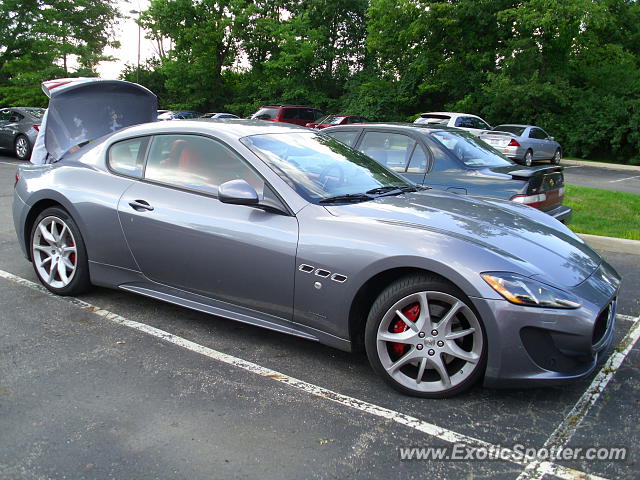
[(350, 197), (391, 190)]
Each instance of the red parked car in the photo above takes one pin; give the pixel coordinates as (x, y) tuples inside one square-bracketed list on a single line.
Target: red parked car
[(296, 114), (331, 120)]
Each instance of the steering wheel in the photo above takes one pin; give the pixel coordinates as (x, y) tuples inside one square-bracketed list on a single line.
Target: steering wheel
[(323, 178)]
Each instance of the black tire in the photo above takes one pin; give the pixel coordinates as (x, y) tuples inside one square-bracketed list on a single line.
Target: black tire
[(79, 281), (379, 351), (555, 160), (22, 147), (528, 158)]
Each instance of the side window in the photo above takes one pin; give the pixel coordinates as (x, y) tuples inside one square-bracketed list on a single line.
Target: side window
[(441, 160), (418, 162), (464, 122), (537, 134), (345, 137), (290, 114), (317, 115), (127, 157), (389, 149), (196, 162)]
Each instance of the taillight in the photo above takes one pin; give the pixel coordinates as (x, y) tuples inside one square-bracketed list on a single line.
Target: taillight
[(36, 128), (513, 143), (531, 200)]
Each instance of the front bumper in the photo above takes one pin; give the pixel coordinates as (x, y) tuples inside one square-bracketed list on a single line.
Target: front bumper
[(530, 346)]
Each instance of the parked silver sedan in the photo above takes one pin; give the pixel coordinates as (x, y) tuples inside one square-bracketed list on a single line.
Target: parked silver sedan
[(525, 144), (18, 129), (285, 228)]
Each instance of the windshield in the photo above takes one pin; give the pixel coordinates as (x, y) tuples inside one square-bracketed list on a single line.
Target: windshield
[(509, 128), (320, 168), (472, 151)]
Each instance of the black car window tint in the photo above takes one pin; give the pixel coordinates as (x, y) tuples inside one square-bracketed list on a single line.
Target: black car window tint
[(290, 114), (317, 115), (418, 162), (127, 157), (345, 137), (390, 149), (480, 124), (537, 134), (197, 163)]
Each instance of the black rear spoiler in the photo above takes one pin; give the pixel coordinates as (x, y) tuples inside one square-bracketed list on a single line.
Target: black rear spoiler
[(525, 174)]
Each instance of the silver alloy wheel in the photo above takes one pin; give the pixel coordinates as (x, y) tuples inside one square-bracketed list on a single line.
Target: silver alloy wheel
[(54, 252), (528, 158), (557, 157), (445, 349), (22, 147)]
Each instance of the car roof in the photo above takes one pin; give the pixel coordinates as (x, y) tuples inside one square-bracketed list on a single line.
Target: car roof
[(452, 114), (223, 126), (287, 106), (513, 125), (397, 125)]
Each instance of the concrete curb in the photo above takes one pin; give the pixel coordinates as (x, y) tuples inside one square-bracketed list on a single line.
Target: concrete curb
[(610, 244), (611, 166)]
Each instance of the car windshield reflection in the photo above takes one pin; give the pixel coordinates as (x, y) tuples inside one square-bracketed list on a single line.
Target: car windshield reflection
[(320, 168)]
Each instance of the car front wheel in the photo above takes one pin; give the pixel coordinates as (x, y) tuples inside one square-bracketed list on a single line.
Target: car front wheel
[(22, 148), (557, 157), (424, 339), (58, 253)]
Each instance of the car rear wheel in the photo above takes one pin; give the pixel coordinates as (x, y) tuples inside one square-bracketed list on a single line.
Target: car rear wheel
[(58, 253), (528, 158), (22, 147), (557, 157), (424, 339)]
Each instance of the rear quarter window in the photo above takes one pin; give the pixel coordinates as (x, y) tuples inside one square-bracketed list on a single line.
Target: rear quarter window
[(127, 157)]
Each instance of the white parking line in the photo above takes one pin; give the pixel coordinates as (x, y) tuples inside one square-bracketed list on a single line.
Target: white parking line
[(565, 431), (540, 468), (623, 179)]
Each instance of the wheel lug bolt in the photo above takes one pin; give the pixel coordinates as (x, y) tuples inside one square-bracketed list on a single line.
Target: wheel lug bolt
[(434, 333), (431, 352), (419, 346), (421, 334), (440, 343)]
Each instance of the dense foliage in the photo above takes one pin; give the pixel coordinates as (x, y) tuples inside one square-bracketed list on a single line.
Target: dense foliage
[(42, 38), (570, 66)]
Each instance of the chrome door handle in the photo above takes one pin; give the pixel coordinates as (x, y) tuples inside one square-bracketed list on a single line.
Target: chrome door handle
[(140, 205)]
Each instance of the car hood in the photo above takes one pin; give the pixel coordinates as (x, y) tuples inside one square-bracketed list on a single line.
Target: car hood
[(543, 251)]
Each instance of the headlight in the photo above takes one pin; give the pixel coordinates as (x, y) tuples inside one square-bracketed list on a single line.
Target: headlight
[(526, 291)]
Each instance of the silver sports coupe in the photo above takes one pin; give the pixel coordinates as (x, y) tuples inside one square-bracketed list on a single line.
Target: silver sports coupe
[(285, 228)]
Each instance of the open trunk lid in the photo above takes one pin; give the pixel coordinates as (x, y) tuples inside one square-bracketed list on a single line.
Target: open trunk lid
[(81, 110)]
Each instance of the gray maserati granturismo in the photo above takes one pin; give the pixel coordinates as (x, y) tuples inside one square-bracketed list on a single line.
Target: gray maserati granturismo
[(285, 228)]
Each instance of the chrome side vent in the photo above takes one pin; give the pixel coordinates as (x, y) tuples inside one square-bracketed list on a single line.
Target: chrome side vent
[(336, 277), (322, 273), (305, 268)]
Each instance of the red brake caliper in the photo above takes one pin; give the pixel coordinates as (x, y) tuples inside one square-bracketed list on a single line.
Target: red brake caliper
[(411, 312), (72, 257)]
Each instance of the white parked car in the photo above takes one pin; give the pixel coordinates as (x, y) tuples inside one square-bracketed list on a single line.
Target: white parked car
[(464, 121)]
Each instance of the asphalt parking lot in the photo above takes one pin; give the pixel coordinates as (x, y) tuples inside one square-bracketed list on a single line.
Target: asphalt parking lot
[(114, 385), (606, 178)]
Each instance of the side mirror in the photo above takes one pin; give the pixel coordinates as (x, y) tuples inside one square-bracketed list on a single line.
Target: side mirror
[(551, 138), (238, 192)]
